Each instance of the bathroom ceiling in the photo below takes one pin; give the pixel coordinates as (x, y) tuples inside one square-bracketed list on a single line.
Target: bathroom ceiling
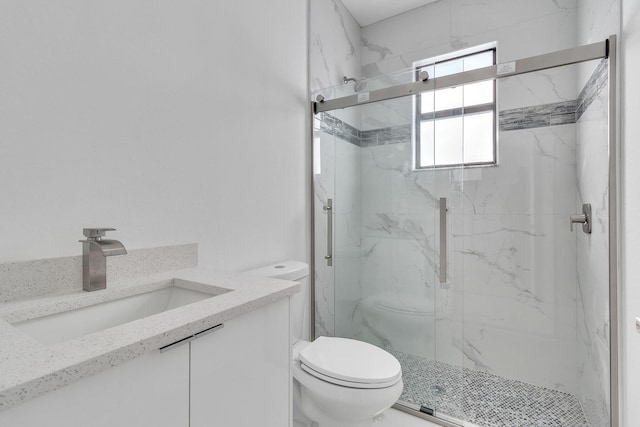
[(367, 12)]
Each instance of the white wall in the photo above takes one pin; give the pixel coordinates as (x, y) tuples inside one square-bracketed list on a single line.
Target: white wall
[(170, 121), (630, 89)]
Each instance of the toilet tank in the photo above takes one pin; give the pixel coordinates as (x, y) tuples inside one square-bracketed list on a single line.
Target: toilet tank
[(296, 271)]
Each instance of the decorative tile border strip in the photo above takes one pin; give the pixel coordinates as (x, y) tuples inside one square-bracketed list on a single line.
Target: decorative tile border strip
[(390, 135), (336, 127), (545, 115), (592, 88), (558, 113)]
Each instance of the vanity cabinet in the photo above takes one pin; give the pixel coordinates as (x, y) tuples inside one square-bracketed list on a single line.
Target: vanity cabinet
[(151, 390), (238, 375)]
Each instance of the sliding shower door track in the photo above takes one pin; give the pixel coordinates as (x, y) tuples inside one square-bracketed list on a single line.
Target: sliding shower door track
[(431, 418), (506, 69)]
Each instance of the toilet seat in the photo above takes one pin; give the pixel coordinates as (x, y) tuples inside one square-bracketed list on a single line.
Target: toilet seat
[(350, 363)]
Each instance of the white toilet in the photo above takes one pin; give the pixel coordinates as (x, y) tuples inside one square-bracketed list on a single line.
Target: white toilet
[(337, 382)]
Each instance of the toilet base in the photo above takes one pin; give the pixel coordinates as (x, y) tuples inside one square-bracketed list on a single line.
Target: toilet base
[(352, 408)]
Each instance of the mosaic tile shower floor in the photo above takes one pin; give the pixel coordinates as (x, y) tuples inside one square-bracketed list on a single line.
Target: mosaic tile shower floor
[(485, 399)]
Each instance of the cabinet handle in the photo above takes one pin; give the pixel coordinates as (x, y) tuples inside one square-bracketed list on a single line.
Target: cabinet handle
[(191, 338), (209, 330)]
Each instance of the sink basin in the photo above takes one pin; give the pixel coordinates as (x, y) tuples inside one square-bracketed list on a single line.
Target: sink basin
[(60, 327)]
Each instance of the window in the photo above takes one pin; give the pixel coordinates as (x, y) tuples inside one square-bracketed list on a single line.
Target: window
[(456, 126)]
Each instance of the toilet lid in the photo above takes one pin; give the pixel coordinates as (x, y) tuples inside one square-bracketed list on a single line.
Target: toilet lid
[(350, 361)]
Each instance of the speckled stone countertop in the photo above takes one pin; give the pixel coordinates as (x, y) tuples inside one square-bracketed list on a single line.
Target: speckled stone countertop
[(29, 368)]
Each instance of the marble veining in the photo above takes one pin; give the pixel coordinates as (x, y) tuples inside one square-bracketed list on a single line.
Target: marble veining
[(510, 235), (593, 274), (508, 308), (28, 368), (324, 183), (334, 52)]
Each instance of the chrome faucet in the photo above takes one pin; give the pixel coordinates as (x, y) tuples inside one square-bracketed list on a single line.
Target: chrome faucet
[(95, 251)]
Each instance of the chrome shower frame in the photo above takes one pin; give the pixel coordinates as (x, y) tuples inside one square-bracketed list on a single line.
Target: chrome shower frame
[(600, 50)]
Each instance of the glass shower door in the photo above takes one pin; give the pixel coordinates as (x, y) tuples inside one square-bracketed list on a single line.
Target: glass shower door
[(529, 351), (385, 249), (459, 260)]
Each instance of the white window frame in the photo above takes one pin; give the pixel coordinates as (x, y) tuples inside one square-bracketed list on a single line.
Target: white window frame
[(418, 117)]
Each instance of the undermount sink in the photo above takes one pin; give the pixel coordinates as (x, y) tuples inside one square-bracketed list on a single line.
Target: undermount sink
[(64, 326)]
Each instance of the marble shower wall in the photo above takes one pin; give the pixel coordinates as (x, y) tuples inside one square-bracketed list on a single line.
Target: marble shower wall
[(510, 251), (521, 27), (324, 146), (510, 247), (597, 19), (509, 303), (334, 52), (593, 254), (334, 49)]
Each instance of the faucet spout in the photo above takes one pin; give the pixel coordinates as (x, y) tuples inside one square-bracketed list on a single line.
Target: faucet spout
[(95, 251), (109, 247)]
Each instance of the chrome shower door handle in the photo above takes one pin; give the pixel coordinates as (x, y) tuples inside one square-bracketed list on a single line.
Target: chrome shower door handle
[(584, 218), (328, 208), (443, 240)]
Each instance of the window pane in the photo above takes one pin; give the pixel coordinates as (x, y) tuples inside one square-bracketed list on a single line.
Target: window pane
[(448, 98), (426, 144), (448, 141), (478, 137), (478, 93), (479, 60), (458, 137), (426, 102), (449, 67)]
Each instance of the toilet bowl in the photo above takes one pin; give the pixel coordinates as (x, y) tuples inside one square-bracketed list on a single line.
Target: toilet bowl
[(344, 383), (337, 382)]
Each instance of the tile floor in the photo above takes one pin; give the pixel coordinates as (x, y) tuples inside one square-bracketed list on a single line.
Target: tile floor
[(485, 399)]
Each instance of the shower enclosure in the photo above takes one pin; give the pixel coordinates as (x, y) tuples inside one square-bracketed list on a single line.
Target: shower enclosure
[(465, 221)]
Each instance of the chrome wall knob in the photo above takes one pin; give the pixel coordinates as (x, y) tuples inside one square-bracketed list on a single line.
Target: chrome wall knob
[(584, 218)]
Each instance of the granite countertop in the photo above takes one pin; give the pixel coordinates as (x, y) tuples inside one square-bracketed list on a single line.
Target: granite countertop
[(29, 368)]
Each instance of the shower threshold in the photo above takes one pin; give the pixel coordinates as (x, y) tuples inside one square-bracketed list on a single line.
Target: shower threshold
[(484, 399)]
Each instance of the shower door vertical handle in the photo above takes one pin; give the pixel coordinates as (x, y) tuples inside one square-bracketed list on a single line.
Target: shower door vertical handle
[(328, 208), (443, 240)]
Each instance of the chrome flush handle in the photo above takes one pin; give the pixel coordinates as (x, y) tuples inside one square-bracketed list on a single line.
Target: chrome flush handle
[(584, 218)]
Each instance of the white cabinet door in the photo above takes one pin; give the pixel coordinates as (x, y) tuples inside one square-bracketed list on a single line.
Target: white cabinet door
[(151, 390), (240, 374)]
